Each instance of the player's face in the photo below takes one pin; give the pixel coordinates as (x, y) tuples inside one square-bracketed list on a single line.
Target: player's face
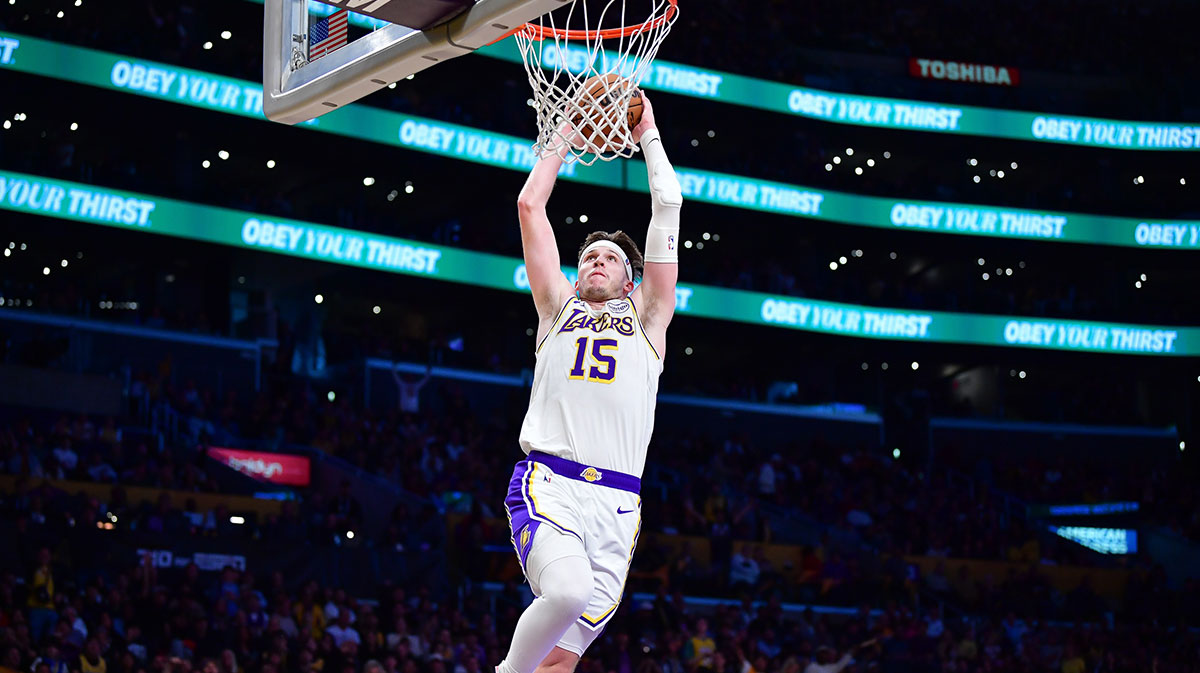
[(602, 276)]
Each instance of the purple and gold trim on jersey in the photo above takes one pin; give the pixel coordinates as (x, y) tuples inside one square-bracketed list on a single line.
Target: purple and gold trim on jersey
[(642, 329), (554, 324)]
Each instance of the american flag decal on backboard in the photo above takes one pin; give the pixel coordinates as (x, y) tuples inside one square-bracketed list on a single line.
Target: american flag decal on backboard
[(328, 34)]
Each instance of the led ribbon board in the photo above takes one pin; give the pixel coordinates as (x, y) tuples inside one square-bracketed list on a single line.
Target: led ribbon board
[(889, 113), (224, 94), (85, 203)]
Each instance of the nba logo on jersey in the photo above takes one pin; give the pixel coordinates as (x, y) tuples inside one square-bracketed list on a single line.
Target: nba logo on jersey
[(670, 243), (591, 474)]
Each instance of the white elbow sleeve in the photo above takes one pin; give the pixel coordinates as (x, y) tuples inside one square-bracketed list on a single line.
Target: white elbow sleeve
[(662, 240)]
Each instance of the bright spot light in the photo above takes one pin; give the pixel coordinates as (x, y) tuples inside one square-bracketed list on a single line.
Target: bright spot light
[(235, 519), (64, 263), (981, 261), (712, 133), (688, 351), (1182, 445), (1138, 284), (887, 155), (841, 260), (206, 163), (225, 35), (883, 366), (1183, 181), (892, 255), (858, 170), (223, 154), (368, 181), (1008, 271), (865, 366), (1021, 373), (375, 310), (870, 162), (392, 85), (45, 271), (837, 160), (1000, 174), (60, 14), (849, 151), (695, 143), (208, 45), (74, 126), (687, 244), (270, 163), (985, 275), (411, 76), (992, 172), (319, 298), (583, 219), (833, 266), (1143, 276), (916, 365), (896, 454), (331, 396), (976, 178), (7, 124), (828, 167), (1013, 165), (349, 535), (77, 3), (706, 236), (408, 189), (972, 162), (22, 246)]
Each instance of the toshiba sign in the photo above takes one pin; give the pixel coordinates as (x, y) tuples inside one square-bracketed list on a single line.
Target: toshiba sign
[(277, 468), (956, 71)]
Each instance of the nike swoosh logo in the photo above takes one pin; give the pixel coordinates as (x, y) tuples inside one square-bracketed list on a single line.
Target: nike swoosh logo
[(623, 511)]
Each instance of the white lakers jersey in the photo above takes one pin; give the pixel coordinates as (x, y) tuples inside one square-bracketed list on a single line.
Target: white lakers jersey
[(594, 388)]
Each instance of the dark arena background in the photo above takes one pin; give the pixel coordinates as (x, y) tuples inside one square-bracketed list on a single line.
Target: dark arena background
[(930, 396)]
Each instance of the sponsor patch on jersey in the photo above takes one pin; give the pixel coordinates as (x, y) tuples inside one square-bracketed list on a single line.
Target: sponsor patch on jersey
[(591, 474), (618, 305)]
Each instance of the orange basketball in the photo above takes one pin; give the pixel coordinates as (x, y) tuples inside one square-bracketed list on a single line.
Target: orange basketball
[(596, 117)]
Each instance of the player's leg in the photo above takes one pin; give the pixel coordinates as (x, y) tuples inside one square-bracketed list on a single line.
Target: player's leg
[(559, 661), (558, 571)]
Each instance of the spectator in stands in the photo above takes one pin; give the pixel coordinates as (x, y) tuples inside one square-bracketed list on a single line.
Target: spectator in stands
[(342, 631)]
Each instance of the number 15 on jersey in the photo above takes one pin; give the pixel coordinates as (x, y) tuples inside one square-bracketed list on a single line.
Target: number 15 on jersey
[(602, 367)]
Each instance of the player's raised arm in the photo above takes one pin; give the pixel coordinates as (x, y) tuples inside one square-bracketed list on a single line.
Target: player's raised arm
[(550, 287), (656, 294)]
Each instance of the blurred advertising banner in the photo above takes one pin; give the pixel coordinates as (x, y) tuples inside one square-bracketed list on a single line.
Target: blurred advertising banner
[(276, 468), (957, 71)]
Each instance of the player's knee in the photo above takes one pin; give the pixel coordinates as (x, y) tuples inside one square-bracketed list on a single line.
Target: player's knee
[(569, 598)]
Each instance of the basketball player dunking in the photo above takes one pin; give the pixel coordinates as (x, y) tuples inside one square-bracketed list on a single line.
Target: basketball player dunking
[(573, 504)]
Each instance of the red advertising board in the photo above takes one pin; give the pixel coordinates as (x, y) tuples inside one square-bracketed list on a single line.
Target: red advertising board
[(957, 71), (277, 468)]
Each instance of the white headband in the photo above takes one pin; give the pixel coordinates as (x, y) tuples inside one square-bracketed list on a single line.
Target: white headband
[(609, 245)]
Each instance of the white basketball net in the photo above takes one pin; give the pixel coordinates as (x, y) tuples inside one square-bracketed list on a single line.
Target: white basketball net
[(558, 70)]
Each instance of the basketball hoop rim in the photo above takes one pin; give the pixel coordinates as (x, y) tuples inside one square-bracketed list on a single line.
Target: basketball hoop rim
[(539, 33)]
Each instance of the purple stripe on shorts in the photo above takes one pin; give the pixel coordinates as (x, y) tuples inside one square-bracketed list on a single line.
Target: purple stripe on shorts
[(588, 474)]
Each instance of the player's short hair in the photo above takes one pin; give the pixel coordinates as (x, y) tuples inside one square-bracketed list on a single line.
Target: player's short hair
[(624, 242)]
